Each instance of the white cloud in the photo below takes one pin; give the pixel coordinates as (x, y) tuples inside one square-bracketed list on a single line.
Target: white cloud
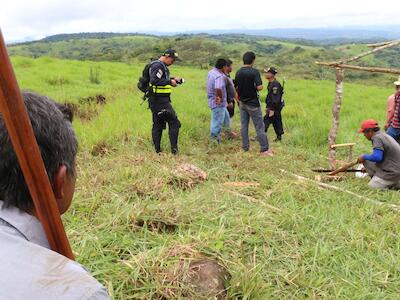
[(23, 18)]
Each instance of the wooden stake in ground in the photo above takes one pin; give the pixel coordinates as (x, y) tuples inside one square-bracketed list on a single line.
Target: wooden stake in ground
[(340, 66), (26, 148), (335, 117)]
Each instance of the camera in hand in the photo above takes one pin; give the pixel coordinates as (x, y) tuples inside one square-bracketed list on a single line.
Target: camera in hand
[(181, 81)]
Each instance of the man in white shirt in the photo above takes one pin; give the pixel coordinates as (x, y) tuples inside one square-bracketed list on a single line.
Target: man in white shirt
[(29, 269)]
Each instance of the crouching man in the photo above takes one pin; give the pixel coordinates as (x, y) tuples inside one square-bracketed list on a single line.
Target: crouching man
[(29, 269), (383, 165)]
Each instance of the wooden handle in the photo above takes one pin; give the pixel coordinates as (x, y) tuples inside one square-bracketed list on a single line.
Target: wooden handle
[(343, 168), (26, 148)]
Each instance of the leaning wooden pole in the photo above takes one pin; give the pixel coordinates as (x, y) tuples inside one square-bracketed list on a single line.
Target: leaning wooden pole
[(20, 130), (338, 64), (379, 44), (376, 49), (363, 69), (335, 117)]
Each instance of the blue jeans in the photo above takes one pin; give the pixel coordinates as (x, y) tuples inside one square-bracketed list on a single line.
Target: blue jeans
[(219, 119), (394, 133)]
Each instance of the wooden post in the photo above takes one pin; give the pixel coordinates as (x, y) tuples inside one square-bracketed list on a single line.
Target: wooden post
[(340, 66), (350, 153), (335, 117), (21, 134)]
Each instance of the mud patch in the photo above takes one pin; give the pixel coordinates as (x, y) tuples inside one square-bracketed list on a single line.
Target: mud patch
[(83, 112), (192, 276), (97, 99), (186, 176), (102, 148), (157, 226), (207, 279), (88, 107)]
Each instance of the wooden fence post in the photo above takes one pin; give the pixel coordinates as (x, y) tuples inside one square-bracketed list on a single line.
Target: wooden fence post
[(335, 117)]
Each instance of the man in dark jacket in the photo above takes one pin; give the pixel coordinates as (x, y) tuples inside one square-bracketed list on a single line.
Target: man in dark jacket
[(160, 100), (275, 103)]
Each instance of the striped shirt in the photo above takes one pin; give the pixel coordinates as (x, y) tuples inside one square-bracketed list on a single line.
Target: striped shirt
[(216, 79), (396, 117)]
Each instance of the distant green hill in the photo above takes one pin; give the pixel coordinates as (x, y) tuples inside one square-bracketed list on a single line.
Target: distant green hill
[(293, 57)]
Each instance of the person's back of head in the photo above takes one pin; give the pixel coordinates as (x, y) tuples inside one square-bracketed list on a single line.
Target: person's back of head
[(249, 58), (52, 127), (221, 63), (21, 235)]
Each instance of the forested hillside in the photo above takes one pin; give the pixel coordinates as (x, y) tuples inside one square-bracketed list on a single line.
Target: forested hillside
[(295, 58)]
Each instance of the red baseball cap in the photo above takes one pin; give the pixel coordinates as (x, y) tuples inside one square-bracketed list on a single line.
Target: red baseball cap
[(368, 124)]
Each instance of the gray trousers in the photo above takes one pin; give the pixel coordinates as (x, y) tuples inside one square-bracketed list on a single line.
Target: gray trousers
[(247, 112), (377, 182)]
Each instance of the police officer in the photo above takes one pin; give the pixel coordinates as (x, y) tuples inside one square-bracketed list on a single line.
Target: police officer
[(160, 100), (274, 102)]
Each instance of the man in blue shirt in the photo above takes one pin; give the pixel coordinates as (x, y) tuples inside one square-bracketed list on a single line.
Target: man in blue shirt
[(383, 165), (217, 99)]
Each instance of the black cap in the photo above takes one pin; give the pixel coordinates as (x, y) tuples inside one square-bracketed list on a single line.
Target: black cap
[(171, 53), (271, 70)]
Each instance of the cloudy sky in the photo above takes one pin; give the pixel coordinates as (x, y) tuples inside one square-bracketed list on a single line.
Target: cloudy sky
[(20, 19)]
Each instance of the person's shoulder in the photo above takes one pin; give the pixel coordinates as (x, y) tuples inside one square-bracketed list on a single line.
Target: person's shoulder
[(213, 72), (30, 271), (391, 97), (156, 64), (386, 138), (276, 84), (228, 78), (380, 136), (240, 73)]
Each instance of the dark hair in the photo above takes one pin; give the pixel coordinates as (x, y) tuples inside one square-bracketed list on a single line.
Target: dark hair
[(229, 62), (376, 129), (57, 143), (249, 57), (66, 110), (220, 63)]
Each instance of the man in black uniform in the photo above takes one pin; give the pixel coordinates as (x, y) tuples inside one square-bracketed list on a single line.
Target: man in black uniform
[(275, 103), (160, 100)]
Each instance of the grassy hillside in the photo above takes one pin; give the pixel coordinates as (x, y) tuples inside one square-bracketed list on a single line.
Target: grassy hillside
[(292, 57), (136, 223)]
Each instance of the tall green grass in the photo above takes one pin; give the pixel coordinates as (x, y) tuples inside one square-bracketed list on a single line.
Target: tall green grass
[(319, 244)]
